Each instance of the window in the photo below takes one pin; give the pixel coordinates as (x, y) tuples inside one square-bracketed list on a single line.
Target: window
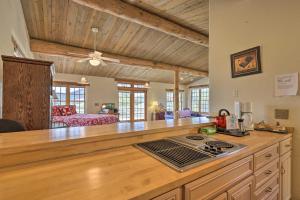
[(200, 99), (132, 101), (127, 85), (61, 92), (170, 100), (77, 98), (67, 93), (139, 85)]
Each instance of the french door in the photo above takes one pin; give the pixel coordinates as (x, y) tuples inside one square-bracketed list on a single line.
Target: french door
[(132, 105)]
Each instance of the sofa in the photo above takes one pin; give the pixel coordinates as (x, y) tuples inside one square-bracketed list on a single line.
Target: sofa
[(182, 114)]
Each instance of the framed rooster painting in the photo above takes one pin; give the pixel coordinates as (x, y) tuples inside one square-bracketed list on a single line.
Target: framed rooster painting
[(246, 62)]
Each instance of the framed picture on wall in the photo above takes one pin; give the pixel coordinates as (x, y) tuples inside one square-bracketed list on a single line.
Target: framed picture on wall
[(246, 62)]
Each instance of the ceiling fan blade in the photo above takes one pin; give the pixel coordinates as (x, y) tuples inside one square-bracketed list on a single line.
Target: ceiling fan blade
[(111, 59), (103, 63), (83, 60), (77, 55)]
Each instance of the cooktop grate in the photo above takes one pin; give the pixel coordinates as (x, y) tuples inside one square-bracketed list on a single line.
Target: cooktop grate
[(219, 144), (194, 137), (173, 153)]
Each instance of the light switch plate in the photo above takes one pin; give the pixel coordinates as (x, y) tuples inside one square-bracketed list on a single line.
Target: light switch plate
[(282, 113)]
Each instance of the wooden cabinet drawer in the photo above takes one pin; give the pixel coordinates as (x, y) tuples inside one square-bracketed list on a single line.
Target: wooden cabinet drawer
[(285, 146), (266, 173), (267, 190), (265, 156), (219, 181), (171, 195), (274, 196)]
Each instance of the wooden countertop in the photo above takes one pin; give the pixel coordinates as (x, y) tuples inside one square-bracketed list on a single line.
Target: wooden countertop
[(103, 132), (120, 173)]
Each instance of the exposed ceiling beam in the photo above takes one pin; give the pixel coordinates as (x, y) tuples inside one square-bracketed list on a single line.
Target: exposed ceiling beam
[(134, 14), (40, 46)]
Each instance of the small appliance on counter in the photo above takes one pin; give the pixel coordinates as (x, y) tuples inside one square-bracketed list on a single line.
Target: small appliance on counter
[(221, 119), (230, 124)]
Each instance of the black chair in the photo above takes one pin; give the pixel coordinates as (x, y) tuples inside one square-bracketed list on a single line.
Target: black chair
[(7, 126)]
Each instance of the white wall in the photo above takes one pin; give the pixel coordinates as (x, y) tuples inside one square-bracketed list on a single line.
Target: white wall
[(12, 23), (236, 25), (104, 90)]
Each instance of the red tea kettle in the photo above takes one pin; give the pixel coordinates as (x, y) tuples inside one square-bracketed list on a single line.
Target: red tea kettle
[(221, 119)]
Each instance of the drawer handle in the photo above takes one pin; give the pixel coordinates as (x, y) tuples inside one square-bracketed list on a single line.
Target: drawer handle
[(268, 172), (282, 170), (269, 189), (287, 145), (269, 155)]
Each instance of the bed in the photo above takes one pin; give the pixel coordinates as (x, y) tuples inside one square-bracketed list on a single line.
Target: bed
[(66, 116)]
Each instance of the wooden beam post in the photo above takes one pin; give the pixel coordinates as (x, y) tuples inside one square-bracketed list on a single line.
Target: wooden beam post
[(40, 46), (176, 94), (137, 15)]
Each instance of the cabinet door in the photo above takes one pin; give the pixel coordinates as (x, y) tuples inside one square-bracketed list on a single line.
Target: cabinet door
[(243, 190), (172, 195), (285, 177)]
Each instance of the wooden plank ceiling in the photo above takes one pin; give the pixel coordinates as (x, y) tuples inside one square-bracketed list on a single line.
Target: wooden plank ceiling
[(189, 13), (66, 22)]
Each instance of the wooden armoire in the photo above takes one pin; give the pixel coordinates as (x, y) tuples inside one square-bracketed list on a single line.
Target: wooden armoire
[(27, 89)]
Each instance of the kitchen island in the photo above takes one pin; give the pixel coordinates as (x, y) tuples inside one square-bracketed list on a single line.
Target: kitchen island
[(121, 171)]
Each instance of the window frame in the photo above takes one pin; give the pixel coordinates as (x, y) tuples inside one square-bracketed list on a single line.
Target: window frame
[(133, 89), (199, 88), (181, 99), (68, 86)]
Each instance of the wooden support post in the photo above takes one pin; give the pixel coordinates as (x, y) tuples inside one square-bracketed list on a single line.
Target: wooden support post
[(176, 94)]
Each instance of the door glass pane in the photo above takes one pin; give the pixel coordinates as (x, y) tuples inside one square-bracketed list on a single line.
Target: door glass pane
[(139, 105), (77, 98), (170, 101), (124, 105), (195, 99), (204, 100)]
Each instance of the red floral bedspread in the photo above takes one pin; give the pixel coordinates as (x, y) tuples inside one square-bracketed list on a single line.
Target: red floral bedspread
[(85, 119)]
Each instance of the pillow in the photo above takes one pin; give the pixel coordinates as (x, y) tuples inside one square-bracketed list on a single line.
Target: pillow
[(56, 111), (65, 111), (73, 109)]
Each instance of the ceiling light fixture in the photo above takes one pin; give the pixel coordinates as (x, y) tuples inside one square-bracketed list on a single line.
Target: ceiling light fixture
[(146, 85), (94, 62), (83, 80)]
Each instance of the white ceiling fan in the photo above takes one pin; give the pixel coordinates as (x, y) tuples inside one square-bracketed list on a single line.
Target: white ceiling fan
[(95, 58)]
